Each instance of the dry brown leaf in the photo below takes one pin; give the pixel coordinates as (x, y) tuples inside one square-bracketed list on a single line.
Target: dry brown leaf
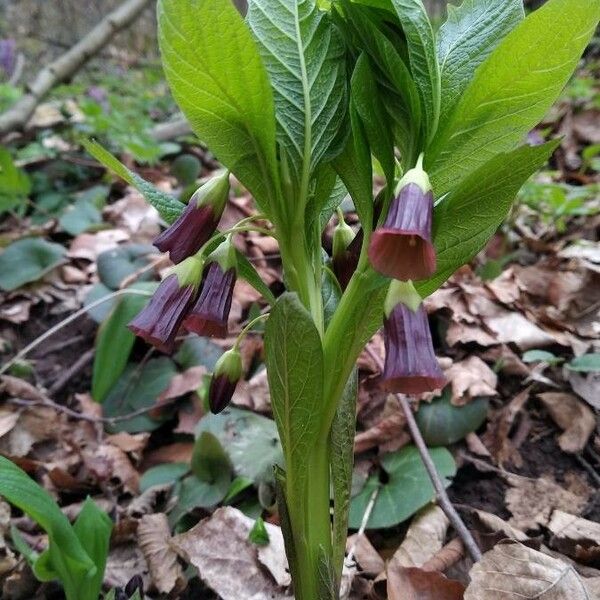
[(576, 537), (7, 557), (88, 246), (35, 425), (575, 418), (471, 378), (19, 388), (586, 387), (511, 570), (8, 419), (254, 393), (532, 501), (390, 429), (154, 537), (494, 524), (445, 558), (225, 558), (136, 216), (109, 462), (416, 584), (184, 383), (364, 553), (133, 443), (424, 538), (123, 563)]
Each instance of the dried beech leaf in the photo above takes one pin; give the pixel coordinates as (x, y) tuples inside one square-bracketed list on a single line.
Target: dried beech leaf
[(410, 583), (366, 556), (424, 538), (154, 538), (511, 570), (576, 537)]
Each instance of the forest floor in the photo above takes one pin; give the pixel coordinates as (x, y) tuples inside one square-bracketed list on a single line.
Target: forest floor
[(517, 333)]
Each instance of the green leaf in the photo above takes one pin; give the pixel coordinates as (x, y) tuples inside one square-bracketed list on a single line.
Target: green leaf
[(423, 57), (65, 558), (513, 89), (81, 216), (28, 260), (168, 207), (116, 264), (194, 493), (238, 485), (258, 534), (336, 197), (294, 359), (588, 363), (407, 490), (197, 351), (113, 345), (474, 209), (365, 98), (442, 423), (14, 183), (305, 58), (467, 38), (210, 462), (93, 528), (167, 473), (247, 271), (343, 430), (138, 387), (218, 79), (331, 292), (251, 440), (541, 356)]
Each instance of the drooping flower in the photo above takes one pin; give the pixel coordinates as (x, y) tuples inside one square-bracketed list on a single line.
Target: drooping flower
[(159, 321), (227, 373), (198, 221), (410, 363), (210, 313), (401, 248)]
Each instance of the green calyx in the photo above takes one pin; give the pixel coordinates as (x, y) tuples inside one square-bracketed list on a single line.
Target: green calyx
[(401, 292), (189, 272), (224, 255), (343, 235), (213, 193), (417, 175), (230, 365)]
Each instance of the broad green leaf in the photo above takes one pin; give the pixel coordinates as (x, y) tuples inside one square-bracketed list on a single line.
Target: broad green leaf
[(193, 493), (164, 474), (251, 440), (81, 216), (336, 197), (14, 183), (218, 79), (138, 388), (408, 487), (113, 345), (65, 558), (343, 430), (93, 528), (210, 462), (324, 182), (513, 89), (331, 292), (474, 209), (353, 166), (365, 98), (305, 58), (588, 363), (238, 485), (198, 351), (294, 359), (28, 260), (166, 205), (442, 423), (423, 57), (247, 271), (467, 38), (117, 264), (541, 356)]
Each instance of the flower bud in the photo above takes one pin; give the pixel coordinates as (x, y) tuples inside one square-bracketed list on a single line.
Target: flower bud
[(410, 363), (227, 373), (210, 313), (343, 258), (401, 248), (159, 321), (198, 221)]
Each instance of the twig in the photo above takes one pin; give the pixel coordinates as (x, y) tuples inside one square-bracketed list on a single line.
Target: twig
[(438, 486), (65, 322), (77, 366), (68, 64)]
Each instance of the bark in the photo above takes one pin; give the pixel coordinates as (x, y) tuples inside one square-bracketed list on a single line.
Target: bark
[(70, 62)]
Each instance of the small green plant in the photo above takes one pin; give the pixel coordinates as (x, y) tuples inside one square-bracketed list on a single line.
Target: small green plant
[(296, 101), (76, 554)]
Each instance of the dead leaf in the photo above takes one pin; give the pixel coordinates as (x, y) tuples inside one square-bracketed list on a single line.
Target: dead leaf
[(254, 393), (390, 428), (365, 555), (136, 216), (511, 570), (576, 537), (471, 378), (225, 558), (494, 524), (445, 558), (416, 584), (514, 327), (576, 420), (19, 388), (424, 538), (8, 419), (123, 563), (184, 383), (7, 557), (154, 537), (88, 246), (586, 387), (132, 443), (532, 501), (109, 462)]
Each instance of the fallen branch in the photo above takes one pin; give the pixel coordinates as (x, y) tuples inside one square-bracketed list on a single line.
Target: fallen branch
[(438, 486), (69, 63)]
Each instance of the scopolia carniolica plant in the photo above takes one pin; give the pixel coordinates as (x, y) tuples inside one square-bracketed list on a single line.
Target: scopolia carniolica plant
[(299, 100)]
